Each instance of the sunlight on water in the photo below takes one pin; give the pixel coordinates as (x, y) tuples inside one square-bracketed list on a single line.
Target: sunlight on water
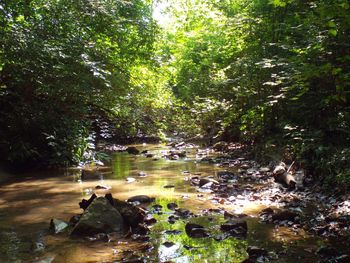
[(27, 206)]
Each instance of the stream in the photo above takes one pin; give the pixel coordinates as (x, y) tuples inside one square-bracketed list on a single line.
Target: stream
[(28, 203)]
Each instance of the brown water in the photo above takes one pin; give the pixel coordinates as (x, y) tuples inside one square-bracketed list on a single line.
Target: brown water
[(27, 205)]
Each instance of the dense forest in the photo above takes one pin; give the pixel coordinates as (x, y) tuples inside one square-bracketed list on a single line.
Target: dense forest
[(271, 74)]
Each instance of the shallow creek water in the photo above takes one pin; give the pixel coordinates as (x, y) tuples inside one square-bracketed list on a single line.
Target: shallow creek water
[(28, 204)]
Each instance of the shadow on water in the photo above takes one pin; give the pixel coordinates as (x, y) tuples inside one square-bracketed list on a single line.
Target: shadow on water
[(27, 206)]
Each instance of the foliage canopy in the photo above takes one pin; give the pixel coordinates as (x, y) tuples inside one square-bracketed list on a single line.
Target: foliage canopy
[(265, 72)]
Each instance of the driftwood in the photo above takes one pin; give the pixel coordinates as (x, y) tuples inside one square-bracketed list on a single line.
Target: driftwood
[(85, 203), (286, 179)]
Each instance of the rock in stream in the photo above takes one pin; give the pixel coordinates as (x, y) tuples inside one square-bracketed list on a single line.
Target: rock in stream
[(100, 217)]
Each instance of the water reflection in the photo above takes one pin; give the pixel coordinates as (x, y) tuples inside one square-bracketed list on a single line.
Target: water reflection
[(27, 206), (121, 165), (187, 249)]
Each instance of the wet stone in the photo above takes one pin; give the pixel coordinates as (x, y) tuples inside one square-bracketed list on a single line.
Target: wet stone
[(38, 246), (141, 229), (267, 211), (132, 150), (215, 210), (172, 206), (264, 169), (141, 199), (100, 217), (222, 236), (140, 238), (232, 224), (131, 214), (181, 154), (207, 186), (58, 226), (173, 157), (103, 187), (195, 231), (157, 207), (150, 220), (130, 179), (172, 219), (220, 146), (256, 252), (285, 215), (183, 213), (172, 232), (245, 166), (98, 237), (237, 229), (187, 247), (168, 244), (195, 180), (266, 214), (207, 181), (226, 175), (142, 174)]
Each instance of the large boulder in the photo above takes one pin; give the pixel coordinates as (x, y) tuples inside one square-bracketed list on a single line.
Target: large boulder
[(132, 215), (100, 217)]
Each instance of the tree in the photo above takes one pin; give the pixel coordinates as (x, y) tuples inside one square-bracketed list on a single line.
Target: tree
[(65, 64)]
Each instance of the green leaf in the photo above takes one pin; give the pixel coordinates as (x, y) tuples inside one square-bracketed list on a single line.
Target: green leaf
[(331, 24), (278, 3), (333, 32)]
